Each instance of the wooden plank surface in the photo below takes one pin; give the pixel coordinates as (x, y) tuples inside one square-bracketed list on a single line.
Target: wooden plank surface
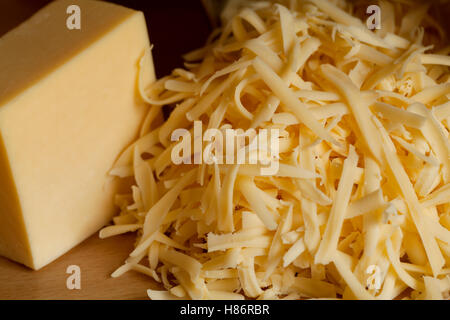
[(96, 258)]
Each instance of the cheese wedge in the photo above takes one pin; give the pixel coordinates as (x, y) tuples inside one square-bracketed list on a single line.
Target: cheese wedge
[(69, 104)]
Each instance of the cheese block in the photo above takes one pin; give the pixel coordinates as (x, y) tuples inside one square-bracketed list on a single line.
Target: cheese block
[(69, 104)]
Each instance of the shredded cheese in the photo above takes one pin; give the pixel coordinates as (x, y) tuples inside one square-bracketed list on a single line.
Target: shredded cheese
[(361, 195)]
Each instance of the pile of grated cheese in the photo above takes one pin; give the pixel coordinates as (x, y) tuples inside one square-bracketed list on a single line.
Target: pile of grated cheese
[(360, 206)]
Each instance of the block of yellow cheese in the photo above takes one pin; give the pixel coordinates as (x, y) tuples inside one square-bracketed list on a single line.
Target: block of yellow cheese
[(68, 106)]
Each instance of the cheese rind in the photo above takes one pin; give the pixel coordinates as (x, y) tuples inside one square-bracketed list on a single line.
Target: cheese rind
[(69, 104)]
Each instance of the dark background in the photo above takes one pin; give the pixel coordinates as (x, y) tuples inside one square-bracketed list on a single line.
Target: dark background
[(175, 26)]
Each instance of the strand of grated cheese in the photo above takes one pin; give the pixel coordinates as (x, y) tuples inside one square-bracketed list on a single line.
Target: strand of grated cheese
[(330, 238)]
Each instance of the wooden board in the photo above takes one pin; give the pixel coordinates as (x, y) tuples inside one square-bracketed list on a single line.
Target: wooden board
[(96, 258)]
